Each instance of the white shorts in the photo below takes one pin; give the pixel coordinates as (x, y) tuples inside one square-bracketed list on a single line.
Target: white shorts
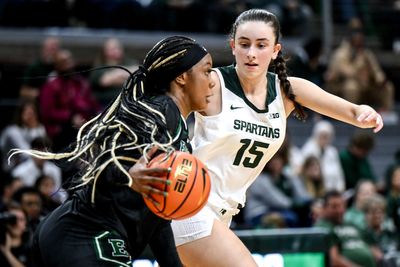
[(200, 225)]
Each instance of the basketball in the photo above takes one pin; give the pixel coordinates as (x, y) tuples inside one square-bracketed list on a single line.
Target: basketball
[(189, 188)]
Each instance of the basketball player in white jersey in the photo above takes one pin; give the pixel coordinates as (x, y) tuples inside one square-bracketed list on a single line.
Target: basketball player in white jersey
[(242, 128)]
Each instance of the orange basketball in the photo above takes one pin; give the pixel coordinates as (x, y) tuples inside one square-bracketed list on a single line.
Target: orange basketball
[(189, 188)]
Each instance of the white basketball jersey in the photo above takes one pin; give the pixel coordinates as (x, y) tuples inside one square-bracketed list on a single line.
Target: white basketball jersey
[(238, 142)]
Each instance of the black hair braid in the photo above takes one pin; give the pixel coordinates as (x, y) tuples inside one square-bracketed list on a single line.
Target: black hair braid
[(281, 70)]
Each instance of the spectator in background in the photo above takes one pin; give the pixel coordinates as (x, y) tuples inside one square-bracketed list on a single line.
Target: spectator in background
[(355, 74), (106, 83), (34, 76), (312, 177), (354, 159), (31, 203), (347, 248), (389, 171), (8, 187), (393, 198), (380, 230), (308, 65), (294, 156), (316, 210), (320, 146), (355, 214), (26, 127), (276, 192), (15, 240), (30, 170), (47, 189), (66, 102)]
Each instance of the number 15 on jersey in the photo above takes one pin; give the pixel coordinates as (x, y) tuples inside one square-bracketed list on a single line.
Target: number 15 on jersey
[(250, 147)]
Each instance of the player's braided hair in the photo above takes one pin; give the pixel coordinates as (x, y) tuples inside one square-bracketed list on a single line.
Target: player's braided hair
[(279, 64), (132, 121)]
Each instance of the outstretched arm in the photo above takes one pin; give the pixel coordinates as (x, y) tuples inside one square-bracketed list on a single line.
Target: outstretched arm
[(315, 98)]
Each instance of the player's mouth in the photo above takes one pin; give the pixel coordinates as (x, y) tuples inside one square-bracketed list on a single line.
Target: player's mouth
[(208, 98), (251, 65)]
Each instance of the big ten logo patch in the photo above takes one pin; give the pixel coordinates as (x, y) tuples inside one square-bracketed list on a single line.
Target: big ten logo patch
[(181, 175), (273, 115), (110, 247)]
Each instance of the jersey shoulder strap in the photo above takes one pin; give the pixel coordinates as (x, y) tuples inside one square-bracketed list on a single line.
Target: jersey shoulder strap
[(232, 83)]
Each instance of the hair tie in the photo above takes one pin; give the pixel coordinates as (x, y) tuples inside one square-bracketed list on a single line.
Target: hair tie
[(143, 70)]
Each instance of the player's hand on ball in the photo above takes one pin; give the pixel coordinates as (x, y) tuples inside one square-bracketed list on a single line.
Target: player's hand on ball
[(144, 178), (189, 189)]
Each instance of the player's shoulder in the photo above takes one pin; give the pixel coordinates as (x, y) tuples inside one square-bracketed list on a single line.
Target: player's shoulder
[(227, 72)]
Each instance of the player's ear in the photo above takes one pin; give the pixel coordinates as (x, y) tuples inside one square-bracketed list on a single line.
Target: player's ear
[(181, 79), (232, 45), (277, 48)]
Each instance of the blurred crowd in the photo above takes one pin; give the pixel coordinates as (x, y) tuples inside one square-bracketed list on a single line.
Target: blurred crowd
[(49, 112), (314, 184), (195, 15), (159, 15), (317, 185), (353, 70)]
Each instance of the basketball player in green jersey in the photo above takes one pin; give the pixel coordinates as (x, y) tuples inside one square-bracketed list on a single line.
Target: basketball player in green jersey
[(242, 128), (105, 222)]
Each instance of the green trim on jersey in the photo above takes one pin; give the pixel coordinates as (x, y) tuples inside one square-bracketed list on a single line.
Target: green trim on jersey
[(182, 128), (182, 134), (178, 129), (233, 84)]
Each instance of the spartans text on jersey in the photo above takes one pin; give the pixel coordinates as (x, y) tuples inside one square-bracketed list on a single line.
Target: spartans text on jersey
[(257, 129)]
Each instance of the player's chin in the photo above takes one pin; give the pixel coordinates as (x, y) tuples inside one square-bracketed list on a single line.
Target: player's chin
[(202, 106)]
